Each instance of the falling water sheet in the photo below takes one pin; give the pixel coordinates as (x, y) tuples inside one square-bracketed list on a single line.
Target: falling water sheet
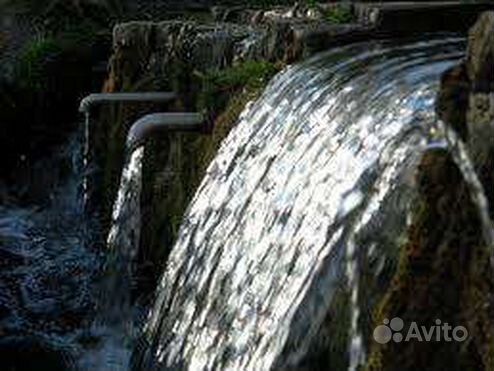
[(323, 160)]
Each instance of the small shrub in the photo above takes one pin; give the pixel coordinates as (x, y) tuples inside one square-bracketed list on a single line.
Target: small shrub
[(219, 86), (32, 60), (339, 14)]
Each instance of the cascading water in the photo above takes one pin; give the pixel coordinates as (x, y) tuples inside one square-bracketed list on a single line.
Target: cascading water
[(48, 268), (57, 291), (116, 317), (316, 176)]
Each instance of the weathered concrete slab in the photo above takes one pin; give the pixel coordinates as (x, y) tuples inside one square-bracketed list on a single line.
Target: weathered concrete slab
[(412, 17), (310, 38)]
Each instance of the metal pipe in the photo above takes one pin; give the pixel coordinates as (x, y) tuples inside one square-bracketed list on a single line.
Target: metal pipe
[(156, 123), (144, 97)]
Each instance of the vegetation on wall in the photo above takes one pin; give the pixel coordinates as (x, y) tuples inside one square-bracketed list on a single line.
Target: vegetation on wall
[(339, 14), (220, 86), (39, 100)]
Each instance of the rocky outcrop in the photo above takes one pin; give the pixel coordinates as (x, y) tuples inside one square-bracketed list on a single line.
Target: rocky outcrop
[(466, 97), (444, 269), (400, 17), (480, 54), (480, 73), (147, 48)]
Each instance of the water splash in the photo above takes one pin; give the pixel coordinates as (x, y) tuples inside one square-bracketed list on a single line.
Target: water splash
[(316, 174), (47, 266), (51, 284)]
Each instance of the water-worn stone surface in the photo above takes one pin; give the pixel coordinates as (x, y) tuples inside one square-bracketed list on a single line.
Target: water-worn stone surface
[(444, 271)]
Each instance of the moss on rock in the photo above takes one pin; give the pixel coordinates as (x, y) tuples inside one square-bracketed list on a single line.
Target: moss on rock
[(40, 99)]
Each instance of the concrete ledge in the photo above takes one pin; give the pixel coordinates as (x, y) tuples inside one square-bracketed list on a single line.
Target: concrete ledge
[(412, 17)]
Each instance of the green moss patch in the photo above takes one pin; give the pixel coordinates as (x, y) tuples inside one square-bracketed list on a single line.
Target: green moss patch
[(339, 14), (220, 86)]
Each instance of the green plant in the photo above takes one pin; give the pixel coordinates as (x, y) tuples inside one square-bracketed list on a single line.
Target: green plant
[(339, 14), (219, 86), (32, 60), (36, 62), (311, 3)]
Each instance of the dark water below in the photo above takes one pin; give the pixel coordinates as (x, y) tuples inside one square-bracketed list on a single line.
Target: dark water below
[(54, 278)]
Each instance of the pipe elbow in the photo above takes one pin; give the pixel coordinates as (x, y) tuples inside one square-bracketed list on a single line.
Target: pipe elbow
[(84, 104), (161, 123)]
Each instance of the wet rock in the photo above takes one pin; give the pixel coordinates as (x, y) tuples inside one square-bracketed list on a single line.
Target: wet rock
[(480, 70), (279, 42), (218, 12), (480, 54), (236, 15), (290, 40), (147, 47), (480, 123), (398, 18), (310, 38), (466, 96), (452, 100), (443, 270)]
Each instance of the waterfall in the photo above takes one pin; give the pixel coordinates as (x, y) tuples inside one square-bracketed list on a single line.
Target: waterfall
[(316, 177)]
